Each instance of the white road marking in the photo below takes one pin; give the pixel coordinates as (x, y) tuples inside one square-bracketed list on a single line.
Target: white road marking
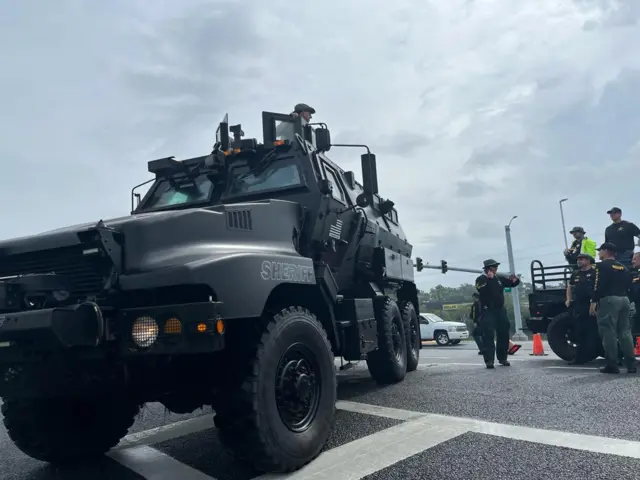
[(556, 438), (152, 464), (167, 432), (590, 443), (373, 453)]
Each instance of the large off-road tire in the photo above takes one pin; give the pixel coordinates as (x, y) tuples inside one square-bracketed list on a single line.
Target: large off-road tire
[(563, 342), (388, 363), (293, 360), (412, 334), (64, 432)]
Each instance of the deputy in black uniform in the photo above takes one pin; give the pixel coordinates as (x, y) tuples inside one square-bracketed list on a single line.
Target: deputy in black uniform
[(634, 295), (578, 299), (495, 322), (476, 318), (622, 234), (610, 302)]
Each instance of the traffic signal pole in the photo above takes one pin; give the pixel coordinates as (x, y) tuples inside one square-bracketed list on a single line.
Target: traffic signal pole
[(444, 268)]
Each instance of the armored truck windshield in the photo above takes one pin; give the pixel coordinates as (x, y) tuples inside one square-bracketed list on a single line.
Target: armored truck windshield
[(183, 190), (237, 168), (171, 191)]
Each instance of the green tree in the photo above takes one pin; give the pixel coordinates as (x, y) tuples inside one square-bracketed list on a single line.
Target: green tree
[(461, 296)]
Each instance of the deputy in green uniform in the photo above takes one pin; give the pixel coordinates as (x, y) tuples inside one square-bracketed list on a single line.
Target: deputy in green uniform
[(495, 322), (580, 245), (610, 303), (578, 299), (634, 295)]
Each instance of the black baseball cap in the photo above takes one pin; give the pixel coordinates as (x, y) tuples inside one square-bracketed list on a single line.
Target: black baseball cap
[(612, 247), (614, 210), (577, 229), (587, 256)]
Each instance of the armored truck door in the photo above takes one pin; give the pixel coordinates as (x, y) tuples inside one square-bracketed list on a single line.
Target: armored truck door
[(340, 224)]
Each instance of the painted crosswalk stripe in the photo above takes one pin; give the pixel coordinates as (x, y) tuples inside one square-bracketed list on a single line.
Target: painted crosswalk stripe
[(152, 464)]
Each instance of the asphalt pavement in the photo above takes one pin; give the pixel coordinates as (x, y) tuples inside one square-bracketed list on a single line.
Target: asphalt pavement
[(451, 419)]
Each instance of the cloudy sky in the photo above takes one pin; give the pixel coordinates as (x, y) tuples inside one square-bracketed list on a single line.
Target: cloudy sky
[(478, 110)]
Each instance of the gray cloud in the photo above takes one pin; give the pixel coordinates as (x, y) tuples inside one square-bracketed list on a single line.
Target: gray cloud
[(521, 109), (471, 188)]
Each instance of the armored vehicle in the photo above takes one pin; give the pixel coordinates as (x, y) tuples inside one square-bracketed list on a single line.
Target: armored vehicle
[(236, 281), (549, 314)]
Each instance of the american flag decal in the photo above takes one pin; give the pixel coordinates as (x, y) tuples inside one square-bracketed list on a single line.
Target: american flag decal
[(335, 231)]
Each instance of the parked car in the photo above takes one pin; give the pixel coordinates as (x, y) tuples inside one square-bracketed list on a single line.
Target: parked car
[(432, 327)]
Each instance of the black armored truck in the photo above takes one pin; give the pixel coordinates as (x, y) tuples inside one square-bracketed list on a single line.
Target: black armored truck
[(236, 281)]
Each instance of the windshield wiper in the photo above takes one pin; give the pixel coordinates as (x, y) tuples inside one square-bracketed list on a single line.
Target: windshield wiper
[(260, 167)]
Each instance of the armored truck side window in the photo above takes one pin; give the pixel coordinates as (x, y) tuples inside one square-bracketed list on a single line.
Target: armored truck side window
[(336, 191), (277, 176), (172, 192)]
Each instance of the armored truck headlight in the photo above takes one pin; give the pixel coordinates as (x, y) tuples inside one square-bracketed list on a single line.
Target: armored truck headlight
[(144, 331)]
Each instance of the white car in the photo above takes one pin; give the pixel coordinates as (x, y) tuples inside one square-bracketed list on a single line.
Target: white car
[(432, 327)]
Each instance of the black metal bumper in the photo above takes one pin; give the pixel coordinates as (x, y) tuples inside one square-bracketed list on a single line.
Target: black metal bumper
[(85, 328)]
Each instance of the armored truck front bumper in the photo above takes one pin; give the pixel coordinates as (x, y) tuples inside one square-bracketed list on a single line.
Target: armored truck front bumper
[(89, 331)]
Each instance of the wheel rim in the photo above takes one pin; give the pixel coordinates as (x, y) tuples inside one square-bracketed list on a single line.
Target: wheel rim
[(442, 338), (415, 338), (568, 336), (298, 387), (396, 340)]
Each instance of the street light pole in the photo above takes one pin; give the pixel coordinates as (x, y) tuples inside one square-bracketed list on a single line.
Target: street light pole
[(564, 228), (515, 294)]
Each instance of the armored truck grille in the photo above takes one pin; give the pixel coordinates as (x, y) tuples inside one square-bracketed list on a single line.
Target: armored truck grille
[(239, 219), (87, 273)]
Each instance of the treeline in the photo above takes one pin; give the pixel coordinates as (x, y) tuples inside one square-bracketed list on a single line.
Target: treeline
[(462, 295)]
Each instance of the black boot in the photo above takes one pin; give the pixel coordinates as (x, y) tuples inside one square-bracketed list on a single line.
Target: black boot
[(505, 363), (610, 369), (490, 365)]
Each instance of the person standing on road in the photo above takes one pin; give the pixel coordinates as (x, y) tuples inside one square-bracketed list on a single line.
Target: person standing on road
[(634, 295), (622, 234), (610, 303), (495, 322), (476, 318), (578, 299), (580, 245)]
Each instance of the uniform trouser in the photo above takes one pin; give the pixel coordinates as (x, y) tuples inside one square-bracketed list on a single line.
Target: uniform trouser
[(584, 328), (614, 328), (495, 323), (477, 336)]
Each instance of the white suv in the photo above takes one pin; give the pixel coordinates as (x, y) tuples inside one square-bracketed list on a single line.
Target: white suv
[(432, 327)]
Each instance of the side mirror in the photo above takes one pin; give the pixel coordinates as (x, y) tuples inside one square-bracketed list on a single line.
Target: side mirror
[(324, 186), (369, 173), (364, 200), (323, 140)]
